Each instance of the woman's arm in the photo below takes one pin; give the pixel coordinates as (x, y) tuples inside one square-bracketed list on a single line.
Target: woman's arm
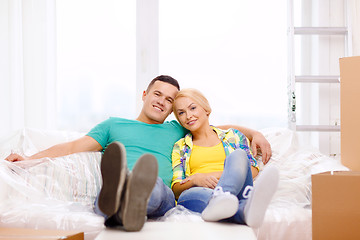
[(208, 180)]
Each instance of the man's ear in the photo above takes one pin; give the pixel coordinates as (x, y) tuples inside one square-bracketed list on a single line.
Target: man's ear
[(143, 95)]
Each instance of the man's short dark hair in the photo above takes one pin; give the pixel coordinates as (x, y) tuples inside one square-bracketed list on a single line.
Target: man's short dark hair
[(164, 78)]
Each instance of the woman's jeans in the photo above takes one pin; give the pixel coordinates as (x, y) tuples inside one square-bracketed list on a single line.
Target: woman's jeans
[(161, 200), (235, 179)]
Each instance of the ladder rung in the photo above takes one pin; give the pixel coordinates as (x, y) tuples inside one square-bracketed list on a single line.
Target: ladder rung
[(317, 79), (318, 128), (321, 30)]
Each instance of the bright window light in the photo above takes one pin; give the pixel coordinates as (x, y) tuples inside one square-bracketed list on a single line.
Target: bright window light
[(96, 44), (234, 52)]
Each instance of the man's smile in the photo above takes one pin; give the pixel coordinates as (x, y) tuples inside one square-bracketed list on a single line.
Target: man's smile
[(158, 108)]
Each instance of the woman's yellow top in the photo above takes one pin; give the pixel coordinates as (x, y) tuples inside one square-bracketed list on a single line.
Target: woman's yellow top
[(214, 156), (231, 140)]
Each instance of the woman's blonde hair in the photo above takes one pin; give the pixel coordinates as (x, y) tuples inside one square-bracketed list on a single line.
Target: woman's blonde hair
[(195, 95)]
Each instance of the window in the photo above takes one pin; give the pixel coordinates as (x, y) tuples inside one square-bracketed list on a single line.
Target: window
[(234, 52), (95, 61)]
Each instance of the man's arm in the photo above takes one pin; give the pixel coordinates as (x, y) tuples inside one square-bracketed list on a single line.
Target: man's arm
[(83, 144), (257, 140)]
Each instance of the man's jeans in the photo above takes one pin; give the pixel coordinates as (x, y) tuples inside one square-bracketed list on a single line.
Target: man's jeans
[(161, 200), (236, 179)]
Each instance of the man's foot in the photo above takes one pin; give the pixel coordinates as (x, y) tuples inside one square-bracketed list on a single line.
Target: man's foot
[(113, 172), (139, 185), (261, 195), (222, 205)]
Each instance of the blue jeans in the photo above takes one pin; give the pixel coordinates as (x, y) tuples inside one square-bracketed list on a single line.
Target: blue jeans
[(161, 200), (234, 179)]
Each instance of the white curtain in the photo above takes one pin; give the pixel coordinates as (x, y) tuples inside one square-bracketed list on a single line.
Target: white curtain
[(27, 65), (355, 6)]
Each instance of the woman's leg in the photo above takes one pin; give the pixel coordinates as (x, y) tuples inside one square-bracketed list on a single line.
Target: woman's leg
[(237, 174), (236, 179), (252, 210), (195, 199)]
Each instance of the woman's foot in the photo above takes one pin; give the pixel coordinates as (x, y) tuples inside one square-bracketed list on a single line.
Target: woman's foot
[(222, 205), (260, 196)]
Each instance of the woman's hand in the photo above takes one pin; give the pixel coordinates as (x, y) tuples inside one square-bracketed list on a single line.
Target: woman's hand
[(202, 180), (259, 141), (14, 157)]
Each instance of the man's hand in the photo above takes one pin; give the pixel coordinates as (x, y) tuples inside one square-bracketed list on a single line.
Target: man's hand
[(259, 141), (14, 157), (202, 180)]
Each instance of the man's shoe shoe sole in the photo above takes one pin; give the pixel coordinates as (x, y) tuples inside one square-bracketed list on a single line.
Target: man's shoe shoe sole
[(139, 185), (113, 172)]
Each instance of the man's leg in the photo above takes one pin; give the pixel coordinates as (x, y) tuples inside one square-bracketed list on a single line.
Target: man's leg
[(162, 199), (139, 185), (113, 172), (124, 204)]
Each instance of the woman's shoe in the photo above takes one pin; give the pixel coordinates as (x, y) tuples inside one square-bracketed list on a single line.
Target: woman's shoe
[(222, 205)]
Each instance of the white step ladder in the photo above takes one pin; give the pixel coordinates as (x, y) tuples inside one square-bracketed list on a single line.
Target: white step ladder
[(294, 79)]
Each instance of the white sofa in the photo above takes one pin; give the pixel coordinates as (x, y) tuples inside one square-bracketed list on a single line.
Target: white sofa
[(59, 193)]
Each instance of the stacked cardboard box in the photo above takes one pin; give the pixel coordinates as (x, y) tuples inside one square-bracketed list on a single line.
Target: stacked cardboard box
[(350, 111), (336, 195)]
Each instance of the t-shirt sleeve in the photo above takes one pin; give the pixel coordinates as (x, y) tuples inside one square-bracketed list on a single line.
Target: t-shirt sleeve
[(183, 131), (101, 132)]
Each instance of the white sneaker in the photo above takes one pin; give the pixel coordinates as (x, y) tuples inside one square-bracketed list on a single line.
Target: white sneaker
[(222, 205), (261, 195)]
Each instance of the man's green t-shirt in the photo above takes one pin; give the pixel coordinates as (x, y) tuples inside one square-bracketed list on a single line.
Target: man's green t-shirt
[(140, 138)]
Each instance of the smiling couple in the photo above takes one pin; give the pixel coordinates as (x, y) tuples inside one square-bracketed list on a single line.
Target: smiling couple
[(141, 165)]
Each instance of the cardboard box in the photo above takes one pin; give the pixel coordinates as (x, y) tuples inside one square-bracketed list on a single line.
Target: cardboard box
[(32, 234), (336, 205), (350, 111)]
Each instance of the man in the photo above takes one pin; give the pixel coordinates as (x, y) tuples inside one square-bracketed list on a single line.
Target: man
[(127, 197)]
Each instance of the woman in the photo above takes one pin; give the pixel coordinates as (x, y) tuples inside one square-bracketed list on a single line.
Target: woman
[(213, 169)]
